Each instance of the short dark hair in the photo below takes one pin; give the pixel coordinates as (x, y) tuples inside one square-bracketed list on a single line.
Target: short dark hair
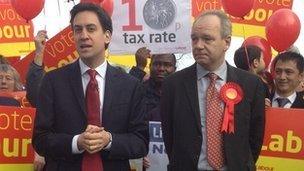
[(171, 54), (290, 56), (240, 56), (103, 17)]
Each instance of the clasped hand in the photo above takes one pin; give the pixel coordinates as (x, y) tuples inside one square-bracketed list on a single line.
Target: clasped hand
[(93, 139)]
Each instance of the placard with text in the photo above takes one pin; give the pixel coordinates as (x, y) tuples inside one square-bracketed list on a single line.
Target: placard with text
[(283, 140), (157, 154), (16, 126), (16, 35), (253, 23), (161, 25)]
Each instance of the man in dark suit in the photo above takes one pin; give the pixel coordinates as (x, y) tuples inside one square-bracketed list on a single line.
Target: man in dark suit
[(288, 73), (35, 71), (90, 116), (193, 138)]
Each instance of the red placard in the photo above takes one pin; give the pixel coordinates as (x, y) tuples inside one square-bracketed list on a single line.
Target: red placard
[(16, 125), (59, 51), (284, 134), (258, 16)]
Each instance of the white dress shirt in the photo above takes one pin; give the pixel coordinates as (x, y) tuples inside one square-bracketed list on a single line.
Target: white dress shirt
[(291, 99), (100, 77)]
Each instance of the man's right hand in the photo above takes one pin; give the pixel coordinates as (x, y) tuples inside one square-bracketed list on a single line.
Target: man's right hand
[(146, 162), (40, 40), (267, 102), (39, 162), (141, 56), (93, 139)]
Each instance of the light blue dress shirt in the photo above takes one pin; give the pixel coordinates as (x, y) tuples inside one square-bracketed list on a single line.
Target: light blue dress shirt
[(202, 85)]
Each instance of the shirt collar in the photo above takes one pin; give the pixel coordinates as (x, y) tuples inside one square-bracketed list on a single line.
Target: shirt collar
[(291, 98), (221, 72), (101, 69)]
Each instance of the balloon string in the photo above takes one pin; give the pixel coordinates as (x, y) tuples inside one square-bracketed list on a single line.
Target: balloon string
[(59, 8), (245, 45), (72, 1), (44, 13), (44, 10)]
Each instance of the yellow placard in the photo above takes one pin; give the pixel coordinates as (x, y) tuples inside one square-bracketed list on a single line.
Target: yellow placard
[(18, 48)]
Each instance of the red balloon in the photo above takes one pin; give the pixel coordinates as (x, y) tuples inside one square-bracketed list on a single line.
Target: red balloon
[(92, 1), (108, 6), (105, 4), (282, 29), (261, 43), (238, 8), (28, 9)]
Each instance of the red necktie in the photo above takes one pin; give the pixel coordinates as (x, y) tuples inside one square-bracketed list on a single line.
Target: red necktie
[(92, 162), (215, 154)]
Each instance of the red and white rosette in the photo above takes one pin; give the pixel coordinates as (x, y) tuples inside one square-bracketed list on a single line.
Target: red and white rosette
[(231, 93)]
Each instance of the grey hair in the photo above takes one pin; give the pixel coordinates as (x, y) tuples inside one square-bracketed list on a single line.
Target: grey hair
[(7, 68), (226, 27)]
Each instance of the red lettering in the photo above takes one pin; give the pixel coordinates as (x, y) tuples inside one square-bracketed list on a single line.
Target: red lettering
[(132, 17)]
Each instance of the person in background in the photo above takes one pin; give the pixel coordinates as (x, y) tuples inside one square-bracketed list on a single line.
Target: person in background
[(9, 82), (295, 49), (10, 79), (161, 66), (250, 58), (300, 88), (192, 111), (141, 58), (36, 72), (267, 78), (288, 73), (90, 115)]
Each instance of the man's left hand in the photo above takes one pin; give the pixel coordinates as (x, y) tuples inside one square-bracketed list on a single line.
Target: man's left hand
[(96, 139)]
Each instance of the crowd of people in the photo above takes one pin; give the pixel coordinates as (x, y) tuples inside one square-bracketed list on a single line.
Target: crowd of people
[(92, 116)]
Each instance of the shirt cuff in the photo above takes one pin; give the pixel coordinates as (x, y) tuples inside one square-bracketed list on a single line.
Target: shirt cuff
[(75, 149), (37, 66)]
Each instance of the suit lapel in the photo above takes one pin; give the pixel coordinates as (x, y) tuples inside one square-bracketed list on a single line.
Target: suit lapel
[(76, 84), (190, 84), (110, 89), (231, 75), (299, 101)]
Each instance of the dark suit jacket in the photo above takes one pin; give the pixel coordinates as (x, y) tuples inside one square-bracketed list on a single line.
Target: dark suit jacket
[(34, 77), (181, 122), (61, 114), (299, 101)]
